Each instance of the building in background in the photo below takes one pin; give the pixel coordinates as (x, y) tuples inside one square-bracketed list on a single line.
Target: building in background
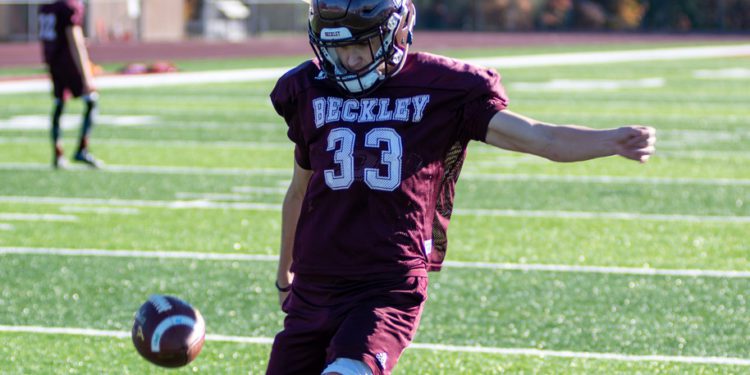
[(174, 20), (164, 20)]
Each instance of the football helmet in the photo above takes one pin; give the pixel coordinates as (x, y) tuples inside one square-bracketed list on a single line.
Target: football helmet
[(386, 26)]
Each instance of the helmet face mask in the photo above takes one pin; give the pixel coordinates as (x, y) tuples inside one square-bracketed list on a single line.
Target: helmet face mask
[(385, 26)]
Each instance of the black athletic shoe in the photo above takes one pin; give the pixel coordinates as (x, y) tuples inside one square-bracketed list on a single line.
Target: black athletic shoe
[(88, 159)]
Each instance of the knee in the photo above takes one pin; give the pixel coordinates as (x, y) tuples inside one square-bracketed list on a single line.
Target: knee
[(91, 99), (347, 366)]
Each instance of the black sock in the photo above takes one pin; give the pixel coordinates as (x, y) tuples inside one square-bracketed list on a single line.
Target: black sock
[(88, 122), (55, 131)]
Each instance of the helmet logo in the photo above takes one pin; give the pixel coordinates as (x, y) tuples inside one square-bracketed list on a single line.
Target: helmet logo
[(338, 33)]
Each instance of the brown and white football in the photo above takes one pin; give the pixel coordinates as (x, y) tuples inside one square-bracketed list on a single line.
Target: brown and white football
[(168, 331)]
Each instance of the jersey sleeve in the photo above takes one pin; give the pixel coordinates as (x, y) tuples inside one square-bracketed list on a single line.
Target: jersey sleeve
[(485, 99), (284, 101)]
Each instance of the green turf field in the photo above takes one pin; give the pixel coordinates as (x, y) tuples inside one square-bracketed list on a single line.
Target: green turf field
[(607, 266)]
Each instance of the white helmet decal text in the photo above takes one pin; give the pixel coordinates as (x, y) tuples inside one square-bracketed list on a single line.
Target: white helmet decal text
[(333, 34)]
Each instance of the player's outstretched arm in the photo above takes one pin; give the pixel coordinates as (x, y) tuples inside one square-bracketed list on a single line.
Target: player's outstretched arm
[(568, 143), (289, 215)]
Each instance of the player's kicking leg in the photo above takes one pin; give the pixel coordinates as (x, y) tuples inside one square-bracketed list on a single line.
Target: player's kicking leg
[(376, 330)]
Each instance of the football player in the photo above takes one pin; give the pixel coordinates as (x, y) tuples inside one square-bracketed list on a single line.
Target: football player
[(380, 135), (69, 67)]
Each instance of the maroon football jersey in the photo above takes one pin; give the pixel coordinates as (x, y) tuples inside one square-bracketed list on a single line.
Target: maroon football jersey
[(54, 19), (384, 165)]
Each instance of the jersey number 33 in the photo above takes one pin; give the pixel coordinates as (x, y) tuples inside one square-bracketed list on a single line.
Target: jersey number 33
[(342, 142)]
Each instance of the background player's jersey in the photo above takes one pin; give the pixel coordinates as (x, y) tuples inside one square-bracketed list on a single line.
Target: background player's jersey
[(384, 165), (54, 19)]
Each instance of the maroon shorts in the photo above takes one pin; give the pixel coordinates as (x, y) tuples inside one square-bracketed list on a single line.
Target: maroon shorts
[(367, 320), (65, 76)]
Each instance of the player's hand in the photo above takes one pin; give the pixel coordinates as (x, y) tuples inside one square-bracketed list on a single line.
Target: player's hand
[(636, 142), (282, 298), (284, 287)]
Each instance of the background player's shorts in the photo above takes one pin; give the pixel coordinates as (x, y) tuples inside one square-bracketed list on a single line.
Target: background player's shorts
[(65, 76), (372, 321)]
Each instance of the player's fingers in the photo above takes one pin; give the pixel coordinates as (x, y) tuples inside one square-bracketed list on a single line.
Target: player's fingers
[(640, 137), (641, 142), (643, 154)]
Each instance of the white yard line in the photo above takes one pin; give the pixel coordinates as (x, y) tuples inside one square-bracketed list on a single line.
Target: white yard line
[(601, 215), (601, 270), (212, 196), (464, 176), (7, 227), (258, 189), (152, 80), (589, 58), (188, 143), (137, 254), (529, 61), (11, 216), (606, 179), (568, 85), (251, 206), (703, 154), (583, 355), (729, 274), (179, 204), (146, 169), (728, 361), (101, 210)]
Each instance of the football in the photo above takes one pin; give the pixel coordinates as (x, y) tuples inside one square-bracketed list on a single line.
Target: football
[(168, 331)]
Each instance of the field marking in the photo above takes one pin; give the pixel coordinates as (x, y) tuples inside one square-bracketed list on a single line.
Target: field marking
[(600, 215), (13, 216), (73, 121), (728, 73), (259, 189), (601, 270), (606, 179), (703, 154), (523, 267), (213, 196), (252, 206), (7, 227), (163, 143), (152, 80), (590, 58), (730, 361), (148, 169), (464, 176), (137, 254), (589, 84), (270, 74), (178, 205), (101, 210)]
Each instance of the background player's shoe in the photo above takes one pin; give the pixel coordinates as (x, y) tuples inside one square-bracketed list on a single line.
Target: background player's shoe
[(85, 157), (59, 162)]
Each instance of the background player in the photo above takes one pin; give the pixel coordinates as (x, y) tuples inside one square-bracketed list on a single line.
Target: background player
[(380, 137), (70, 70)]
